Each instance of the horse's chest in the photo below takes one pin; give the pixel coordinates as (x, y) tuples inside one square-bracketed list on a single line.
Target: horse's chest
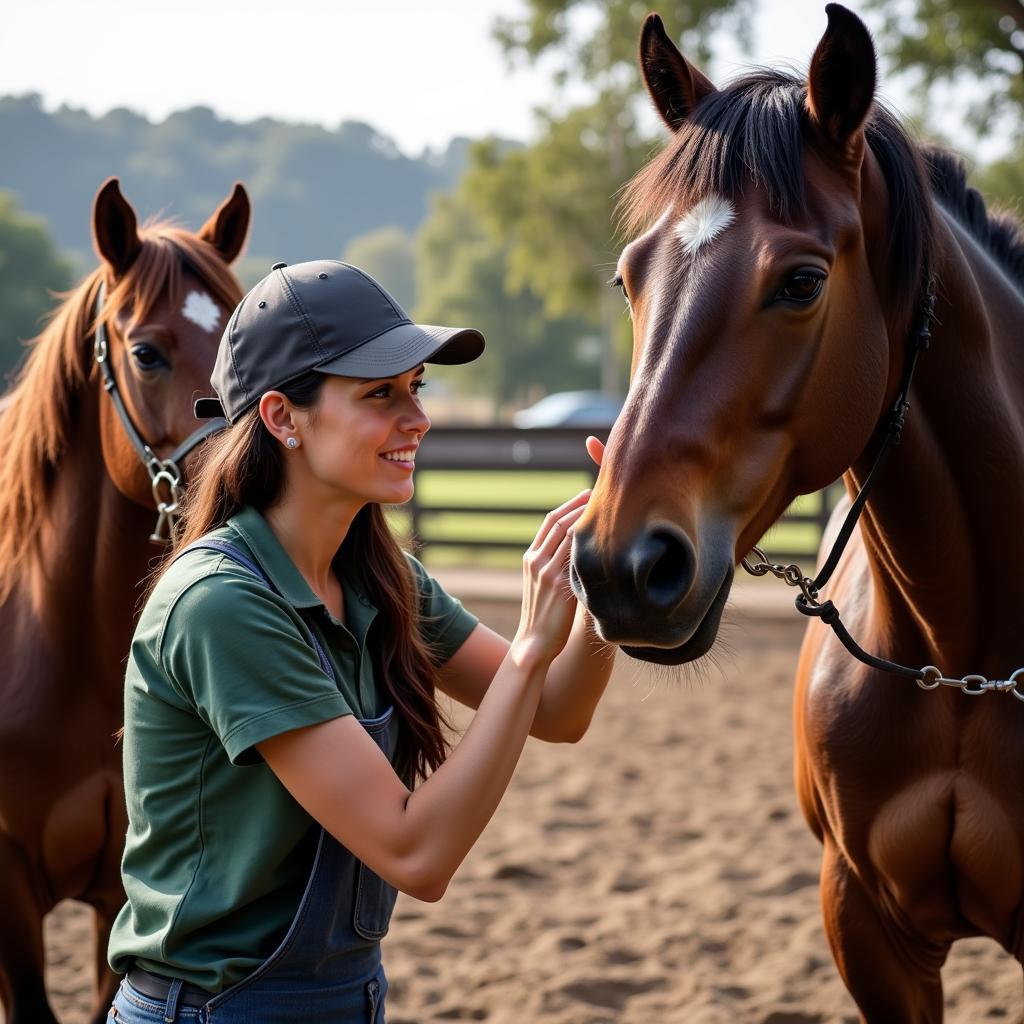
[(946, 847)]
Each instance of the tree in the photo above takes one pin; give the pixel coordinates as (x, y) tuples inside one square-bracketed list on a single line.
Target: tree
[(555, 202), (30, 272), (597, 39), (388, 255), (956, 41), (462, 279)]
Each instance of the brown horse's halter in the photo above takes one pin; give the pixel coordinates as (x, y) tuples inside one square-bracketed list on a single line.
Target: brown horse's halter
[(929, 677), (166, 475)]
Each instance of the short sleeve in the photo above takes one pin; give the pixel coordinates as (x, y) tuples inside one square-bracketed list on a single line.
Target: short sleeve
[(242, 657), (445, 624)]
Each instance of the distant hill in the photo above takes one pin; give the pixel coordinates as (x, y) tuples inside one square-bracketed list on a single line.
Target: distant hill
[(313, 189)]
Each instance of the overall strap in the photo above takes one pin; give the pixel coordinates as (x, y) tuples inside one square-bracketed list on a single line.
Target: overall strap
[(230, 551)]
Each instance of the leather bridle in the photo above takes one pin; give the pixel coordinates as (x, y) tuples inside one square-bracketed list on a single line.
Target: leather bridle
[(167, 476), (928, 677)]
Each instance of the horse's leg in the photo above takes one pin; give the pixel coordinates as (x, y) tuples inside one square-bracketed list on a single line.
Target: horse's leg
[(22, 961), (893, 977)]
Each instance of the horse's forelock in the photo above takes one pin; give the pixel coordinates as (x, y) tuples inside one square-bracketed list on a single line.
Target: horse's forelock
[(166, 250), (752, 130)]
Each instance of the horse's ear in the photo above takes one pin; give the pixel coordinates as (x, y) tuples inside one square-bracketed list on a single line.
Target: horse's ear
[(841, 82), (227, 228), (675, 85), (115, 231)]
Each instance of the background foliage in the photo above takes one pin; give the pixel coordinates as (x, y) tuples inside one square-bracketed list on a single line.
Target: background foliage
[(516, 240)]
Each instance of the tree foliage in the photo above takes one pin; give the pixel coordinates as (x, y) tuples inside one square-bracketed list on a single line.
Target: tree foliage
[(313, 189), (955, 41), (30, 272), (596, 40), (462, 279), (387, 254)]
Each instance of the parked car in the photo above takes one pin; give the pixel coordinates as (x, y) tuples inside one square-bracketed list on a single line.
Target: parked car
[(571, 409)]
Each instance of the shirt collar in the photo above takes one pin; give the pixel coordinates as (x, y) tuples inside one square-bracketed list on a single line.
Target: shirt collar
[(278, 565)]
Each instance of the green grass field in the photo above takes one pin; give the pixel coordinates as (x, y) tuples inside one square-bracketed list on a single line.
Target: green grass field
[(527, 490)]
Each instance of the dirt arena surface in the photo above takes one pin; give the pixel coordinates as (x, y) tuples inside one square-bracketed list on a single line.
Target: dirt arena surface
[(658, 871)]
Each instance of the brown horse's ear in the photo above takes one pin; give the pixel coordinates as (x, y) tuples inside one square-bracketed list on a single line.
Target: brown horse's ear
[(227, 228), (841, 82), (675, 85), (115, 231)]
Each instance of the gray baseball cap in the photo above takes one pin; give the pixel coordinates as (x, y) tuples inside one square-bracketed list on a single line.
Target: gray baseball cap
[(326, 316)]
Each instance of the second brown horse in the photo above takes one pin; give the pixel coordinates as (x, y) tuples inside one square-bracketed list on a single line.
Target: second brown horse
[(76, 513), (789, 230)]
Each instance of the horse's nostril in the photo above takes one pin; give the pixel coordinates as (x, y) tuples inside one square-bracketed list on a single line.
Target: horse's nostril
[(663, 564)]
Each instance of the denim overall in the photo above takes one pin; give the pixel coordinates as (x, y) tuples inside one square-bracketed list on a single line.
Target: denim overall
[(328, 966)]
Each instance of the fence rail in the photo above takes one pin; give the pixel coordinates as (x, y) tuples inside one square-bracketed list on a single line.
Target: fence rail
[(557, 449)]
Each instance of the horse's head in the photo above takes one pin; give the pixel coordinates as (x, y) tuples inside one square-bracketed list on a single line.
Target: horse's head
[(763, 297), (168, 294)]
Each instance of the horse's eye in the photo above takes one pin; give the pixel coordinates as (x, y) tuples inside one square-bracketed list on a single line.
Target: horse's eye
[(147, 357), (617, 282), (803, 286)]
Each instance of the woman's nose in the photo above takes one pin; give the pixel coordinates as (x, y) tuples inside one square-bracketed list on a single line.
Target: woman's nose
[(417, 420)]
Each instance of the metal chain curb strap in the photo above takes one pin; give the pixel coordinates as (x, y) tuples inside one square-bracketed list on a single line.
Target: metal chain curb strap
[(927, 677), (166, 475)]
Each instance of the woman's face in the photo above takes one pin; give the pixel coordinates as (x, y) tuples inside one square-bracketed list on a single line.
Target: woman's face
[(362, 438)]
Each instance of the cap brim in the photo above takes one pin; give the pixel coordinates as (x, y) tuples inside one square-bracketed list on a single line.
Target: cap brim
[(403, 348), (205, 408)]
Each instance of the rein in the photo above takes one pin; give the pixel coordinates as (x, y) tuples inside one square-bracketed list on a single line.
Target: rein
[(807, 603), (166, 475)]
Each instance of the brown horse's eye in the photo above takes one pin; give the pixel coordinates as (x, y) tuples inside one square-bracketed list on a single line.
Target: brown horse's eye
[(617, 282), (147, 357), (803, 286)]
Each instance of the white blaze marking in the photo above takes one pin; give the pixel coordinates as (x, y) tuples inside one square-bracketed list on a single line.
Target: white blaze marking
[(201, 310), (704, 222)]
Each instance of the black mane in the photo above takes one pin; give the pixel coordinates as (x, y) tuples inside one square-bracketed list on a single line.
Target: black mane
[(1001, 233), (757, 127)]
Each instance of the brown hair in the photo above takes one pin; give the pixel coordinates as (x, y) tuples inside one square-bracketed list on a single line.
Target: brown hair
[(244, 465), (40, 409)]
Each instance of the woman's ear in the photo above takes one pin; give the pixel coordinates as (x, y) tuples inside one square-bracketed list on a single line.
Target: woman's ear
[(276, 413)]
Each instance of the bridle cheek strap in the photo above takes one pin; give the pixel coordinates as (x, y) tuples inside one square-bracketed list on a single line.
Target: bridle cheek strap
[(928, 677), (167, 476)]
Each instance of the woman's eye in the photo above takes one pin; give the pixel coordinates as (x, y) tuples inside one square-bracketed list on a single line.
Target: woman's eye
[(384, 391), (147, 357), (804, 286)]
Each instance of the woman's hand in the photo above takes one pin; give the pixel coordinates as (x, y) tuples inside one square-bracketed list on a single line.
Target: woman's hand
[(548, 602)]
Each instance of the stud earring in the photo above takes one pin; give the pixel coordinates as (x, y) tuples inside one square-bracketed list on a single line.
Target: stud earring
[(292, 442)]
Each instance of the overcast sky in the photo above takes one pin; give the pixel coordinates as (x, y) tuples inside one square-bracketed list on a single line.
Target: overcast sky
[(420, 72)]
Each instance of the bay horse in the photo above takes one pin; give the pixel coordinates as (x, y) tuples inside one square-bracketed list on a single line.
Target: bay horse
[(76, 514), (793, 248)]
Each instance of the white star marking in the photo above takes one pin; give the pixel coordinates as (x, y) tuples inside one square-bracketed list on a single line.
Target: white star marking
[(201, 310), (705, 221)]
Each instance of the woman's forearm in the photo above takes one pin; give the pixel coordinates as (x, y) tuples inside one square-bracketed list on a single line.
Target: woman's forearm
[(445, 815), (575, 682)]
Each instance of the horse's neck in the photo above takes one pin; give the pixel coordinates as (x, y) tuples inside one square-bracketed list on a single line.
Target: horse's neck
[(943, 526), (93, 552)]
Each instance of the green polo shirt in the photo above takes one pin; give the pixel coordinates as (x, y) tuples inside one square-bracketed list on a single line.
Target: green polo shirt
[(218, 852)]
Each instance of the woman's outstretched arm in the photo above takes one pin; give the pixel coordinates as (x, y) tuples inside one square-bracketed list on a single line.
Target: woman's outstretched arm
[(416, 840)]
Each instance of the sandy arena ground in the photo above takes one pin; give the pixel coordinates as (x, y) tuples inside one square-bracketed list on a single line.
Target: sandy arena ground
[(658, 871)]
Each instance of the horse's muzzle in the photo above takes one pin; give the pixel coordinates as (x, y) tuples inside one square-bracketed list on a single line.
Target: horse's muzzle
[(652, 597)]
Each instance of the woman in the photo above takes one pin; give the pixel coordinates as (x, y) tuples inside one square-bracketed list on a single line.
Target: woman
[(279, 699)]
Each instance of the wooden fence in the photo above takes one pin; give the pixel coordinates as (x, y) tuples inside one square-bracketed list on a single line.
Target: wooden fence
[(559, 449)]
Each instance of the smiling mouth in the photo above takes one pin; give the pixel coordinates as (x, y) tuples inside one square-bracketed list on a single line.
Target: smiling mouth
[(405, 458), (699, 643)]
